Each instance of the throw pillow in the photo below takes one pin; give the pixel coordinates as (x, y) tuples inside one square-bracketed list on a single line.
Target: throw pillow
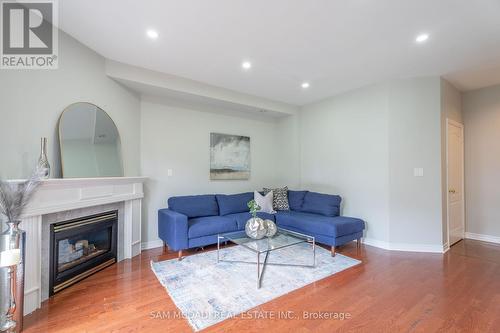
[(280, 197), (265, 202)]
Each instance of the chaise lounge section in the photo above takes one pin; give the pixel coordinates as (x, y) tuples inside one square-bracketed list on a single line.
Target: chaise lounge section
[(195, 221)]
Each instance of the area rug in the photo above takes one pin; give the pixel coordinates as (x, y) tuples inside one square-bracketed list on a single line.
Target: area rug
[(207, 292)]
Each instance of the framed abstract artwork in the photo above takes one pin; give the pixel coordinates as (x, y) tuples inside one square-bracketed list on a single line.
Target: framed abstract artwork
[(229, 157)]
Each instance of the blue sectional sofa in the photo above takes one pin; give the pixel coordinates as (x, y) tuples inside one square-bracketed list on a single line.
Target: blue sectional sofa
[(194, 221)]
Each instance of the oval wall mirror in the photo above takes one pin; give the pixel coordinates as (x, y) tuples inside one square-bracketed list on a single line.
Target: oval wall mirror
[(90, 143)]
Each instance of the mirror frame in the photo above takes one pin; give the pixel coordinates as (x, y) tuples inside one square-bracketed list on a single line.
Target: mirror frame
[(61, 143)]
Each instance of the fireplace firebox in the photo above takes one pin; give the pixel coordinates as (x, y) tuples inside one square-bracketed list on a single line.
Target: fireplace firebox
[(81, 247)]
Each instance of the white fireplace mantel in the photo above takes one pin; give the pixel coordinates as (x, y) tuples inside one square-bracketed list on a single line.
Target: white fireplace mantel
[(59, 195)]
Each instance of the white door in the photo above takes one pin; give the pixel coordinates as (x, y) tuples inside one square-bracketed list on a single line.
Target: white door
[(455, 159)]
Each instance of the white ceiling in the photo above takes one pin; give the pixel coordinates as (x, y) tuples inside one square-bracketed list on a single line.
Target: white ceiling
[(336, 45)]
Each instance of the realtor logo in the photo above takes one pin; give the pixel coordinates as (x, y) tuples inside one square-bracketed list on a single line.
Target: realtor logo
[(29, 34)]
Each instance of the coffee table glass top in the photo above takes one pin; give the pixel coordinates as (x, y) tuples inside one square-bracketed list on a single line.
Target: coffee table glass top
[(281, 239)]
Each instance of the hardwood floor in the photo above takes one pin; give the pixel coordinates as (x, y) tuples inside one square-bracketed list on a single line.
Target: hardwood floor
[(389, 292)]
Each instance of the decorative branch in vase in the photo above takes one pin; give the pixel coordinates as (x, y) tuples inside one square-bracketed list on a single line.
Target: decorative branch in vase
[(254, 208), (14, 197), (255, 227)]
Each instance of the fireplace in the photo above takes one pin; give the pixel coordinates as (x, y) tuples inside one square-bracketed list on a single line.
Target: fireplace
[(81, 247)]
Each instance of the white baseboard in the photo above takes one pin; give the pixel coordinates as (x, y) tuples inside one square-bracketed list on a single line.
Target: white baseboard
[(430, 248), (481, 237), (377, 243), (372, 242), (446, 247), (151, 244)]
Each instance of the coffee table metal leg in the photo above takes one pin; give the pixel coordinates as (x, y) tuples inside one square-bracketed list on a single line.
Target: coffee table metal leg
[(218, 247), (260, 273), (314, 252), (258, 270)]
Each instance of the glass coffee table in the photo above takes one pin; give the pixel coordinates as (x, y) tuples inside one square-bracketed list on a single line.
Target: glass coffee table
[(282, 239)]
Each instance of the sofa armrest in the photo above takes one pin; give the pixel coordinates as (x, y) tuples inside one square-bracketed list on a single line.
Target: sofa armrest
[(173, 229)]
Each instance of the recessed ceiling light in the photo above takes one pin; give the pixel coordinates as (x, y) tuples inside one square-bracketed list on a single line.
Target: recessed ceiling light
[(246, 65), (153, 34), (305, 85), (422, 38)]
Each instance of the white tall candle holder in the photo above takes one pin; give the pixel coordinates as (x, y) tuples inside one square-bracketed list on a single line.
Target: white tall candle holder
[(9, 259)]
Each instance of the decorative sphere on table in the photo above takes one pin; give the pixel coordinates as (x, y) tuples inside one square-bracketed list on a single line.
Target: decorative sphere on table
[(256, 228), (271, 228)]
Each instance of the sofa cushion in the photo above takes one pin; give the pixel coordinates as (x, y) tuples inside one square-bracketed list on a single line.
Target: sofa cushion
[(265, 202), (296, 199), (233, 203), (194, 205), (210, 225), (242, 218), (323, 204), (318, 224), (280, 197)]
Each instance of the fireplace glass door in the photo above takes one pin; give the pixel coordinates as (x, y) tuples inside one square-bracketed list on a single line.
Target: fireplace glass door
[(73, 251), (81, 247)]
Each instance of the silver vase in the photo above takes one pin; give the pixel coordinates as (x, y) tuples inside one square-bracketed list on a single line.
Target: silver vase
[(43, 166), (12, 280), (271, 228), (256, 228)]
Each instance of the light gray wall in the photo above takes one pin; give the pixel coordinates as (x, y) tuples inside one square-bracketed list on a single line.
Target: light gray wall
[(415, 141), (365, 144), (481, 113), (451, 108), (176, 137), (287, 147), (31, 102), (344, 150)]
